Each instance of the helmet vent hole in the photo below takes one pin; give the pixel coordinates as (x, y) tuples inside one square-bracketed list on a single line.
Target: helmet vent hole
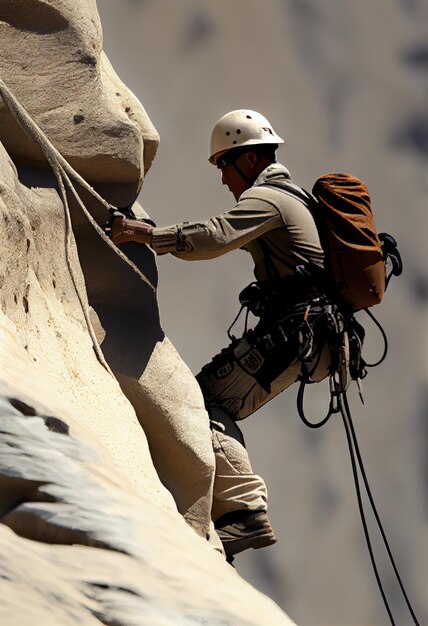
[(235, 141), (228, 133), (248, 117), (238, 132)]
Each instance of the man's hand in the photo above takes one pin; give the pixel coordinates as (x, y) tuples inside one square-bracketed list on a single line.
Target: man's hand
[(124, 230)]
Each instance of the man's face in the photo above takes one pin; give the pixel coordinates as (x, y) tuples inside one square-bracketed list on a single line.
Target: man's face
[(234, 171)]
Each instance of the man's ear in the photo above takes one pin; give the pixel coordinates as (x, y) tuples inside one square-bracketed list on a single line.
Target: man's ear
[(252, 158)]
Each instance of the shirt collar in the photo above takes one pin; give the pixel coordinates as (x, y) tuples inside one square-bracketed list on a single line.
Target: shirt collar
[(275, 171)]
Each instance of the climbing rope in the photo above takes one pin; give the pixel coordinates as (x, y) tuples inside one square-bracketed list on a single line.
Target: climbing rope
[(339, 404), (64, 175), (357, 463)]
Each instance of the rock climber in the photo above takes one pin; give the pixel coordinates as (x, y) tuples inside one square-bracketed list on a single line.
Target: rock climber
[(279, 232)]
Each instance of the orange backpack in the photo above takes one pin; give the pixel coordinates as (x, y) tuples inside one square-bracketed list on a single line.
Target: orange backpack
[(354, 256)]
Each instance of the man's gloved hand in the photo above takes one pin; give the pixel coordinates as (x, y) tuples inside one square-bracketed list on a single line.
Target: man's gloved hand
[(124, 229)]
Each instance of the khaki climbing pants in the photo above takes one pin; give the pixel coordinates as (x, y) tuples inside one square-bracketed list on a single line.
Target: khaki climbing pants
[(237, 382)]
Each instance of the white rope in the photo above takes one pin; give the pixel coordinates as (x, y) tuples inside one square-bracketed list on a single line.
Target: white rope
[(64, 175)]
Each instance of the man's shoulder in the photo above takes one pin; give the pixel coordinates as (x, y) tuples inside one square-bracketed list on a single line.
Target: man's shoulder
[(278, 193), (260, 193)]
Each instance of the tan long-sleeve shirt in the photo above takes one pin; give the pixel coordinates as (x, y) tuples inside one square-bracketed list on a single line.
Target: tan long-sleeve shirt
[(276, 228)]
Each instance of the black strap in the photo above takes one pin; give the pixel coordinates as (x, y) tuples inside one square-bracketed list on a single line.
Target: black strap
[(292, 190)]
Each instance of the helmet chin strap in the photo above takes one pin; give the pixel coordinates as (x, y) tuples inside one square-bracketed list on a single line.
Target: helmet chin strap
[(249, 181)]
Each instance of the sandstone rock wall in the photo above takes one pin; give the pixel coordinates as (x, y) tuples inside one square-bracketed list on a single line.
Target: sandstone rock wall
[(90, 534), (69, 75)]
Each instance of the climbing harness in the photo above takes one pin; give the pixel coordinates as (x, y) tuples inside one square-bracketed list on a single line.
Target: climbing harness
[(64, 175)]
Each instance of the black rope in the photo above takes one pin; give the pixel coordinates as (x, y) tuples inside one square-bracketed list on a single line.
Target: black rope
[(231, 337), (331, 408), (347, 418), (385, 340), (247, 315), (349, 439), (339, 403), (388, 278)]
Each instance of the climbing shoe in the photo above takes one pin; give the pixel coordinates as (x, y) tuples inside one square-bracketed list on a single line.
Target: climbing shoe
[(241, 530)]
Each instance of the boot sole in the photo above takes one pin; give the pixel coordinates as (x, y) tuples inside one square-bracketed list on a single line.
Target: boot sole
[(234, 546)]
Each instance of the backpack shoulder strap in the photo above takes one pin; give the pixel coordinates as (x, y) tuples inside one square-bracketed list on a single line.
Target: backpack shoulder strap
[(292, 190), (307, 267)]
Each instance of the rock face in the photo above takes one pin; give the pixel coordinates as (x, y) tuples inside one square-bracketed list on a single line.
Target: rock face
[(112, 143), (124, 313), (81, 547), (91, 528)]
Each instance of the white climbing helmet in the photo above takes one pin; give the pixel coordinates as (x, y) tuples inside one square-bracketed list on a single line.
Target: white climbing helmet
[(240, 128)]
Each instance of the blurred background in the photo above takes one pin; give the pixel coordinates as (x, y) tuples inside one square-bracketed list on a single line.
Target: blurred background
[(345, 83)]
